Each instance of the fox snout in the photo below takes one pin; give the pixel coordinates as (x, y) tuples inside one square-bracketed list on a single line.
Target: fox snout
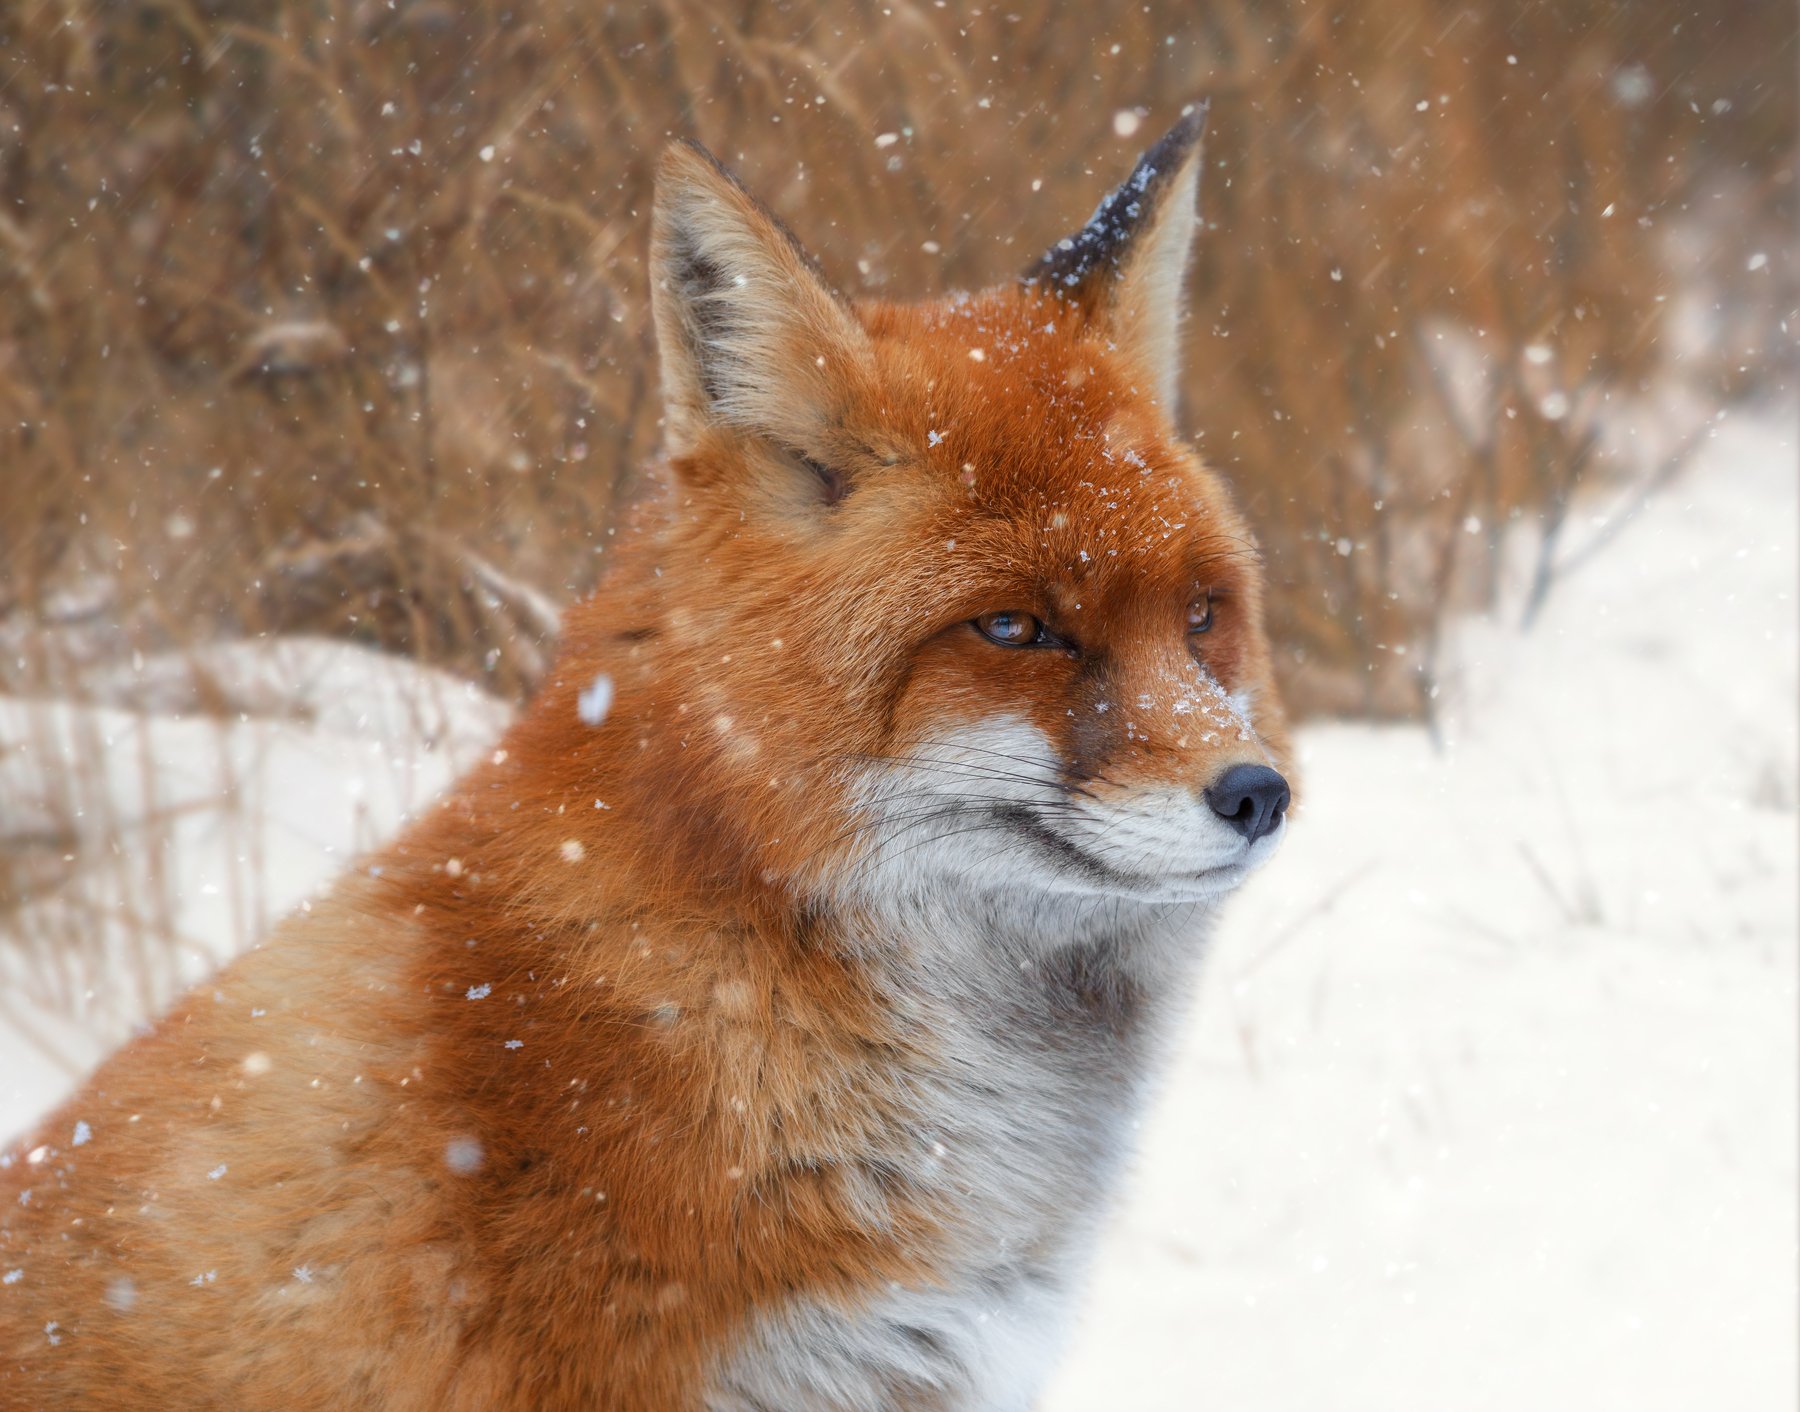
[(1253, 799)]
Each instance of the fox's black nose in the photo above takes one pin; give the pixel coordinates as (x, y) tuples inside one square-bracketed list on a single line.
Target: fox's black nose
[(1251, 798)]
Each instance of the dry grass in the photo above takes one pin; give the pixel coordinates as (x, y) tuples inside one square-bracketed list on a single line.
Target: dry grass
[(303, 303)]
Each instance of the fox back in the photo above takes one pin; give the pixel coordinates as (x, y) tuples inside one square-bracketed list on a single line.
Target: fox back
[(761, 1025)]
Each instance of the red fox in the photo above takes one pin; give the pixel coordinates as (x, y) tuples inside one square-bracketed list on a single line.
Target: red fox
[(760, 1028)]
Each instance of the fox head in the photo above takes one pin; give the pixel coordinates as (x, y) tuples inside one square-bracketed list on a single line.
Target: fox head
[(930, 604)]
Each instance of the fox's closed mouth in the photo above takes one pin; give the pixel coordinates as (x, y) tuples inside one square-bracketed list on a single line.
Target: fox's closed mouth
[(1077, 859)]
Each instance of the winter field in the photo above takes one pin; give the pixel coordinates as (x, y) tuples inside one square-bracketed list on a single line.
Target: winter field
[(1489, 1096)]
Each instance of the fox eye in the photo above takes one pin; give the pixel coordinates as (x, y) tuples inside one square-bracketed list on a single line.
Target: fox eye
[(1200, 614), (1012, 629)]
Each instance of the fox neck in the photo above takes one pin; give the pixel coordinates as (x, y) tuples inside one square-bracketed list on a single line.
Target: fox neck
[(1045, 1040), (1074, 992), (1020, 953)]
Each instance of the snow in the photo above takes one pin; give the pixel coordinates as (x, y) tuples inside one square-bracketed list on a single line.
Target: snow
[(1489, 1095), (1488, 1099), (594, 702), (323, 749), (463, 1155)]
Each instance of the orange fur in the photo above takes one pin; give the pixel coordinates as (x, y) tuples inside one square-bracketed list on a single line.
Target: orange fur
[(558, 1091)]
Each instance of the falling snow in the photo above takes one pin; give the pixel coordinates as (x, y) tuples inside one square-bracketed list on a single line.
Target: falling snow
[(594, 702), (464, 1155)]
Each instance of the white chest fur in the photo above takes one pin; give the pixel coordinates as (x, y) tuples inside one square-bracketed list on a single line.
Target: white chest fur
[(1020, 1119), (974, 1345)]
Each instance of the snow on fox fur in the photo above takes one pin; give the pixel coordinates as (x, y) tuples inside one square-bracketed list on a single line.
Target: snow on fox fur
[(760, 1027)]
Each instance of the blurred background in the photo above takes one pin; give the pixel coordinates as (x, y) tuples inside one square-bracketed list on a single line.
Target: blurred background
[(325, 359)]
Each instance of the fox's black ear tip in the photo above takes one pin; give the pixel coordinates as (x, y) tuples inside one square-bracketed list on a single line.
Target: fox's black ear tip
[(1185, 135), (1067, 268)]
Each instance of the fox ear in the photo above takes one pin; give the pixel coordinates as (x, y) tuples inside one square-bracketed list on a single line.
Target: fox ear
[(1124, 269), (748, 332)]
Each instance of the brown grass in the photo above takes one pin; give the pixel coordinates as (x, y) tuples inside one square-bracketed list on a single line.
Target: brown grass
[(302, 304)]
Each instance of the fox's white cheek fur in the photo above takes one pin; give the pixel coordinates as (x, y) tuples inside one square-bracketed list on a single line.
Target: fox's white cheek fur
[(969, 823), (930, 831)]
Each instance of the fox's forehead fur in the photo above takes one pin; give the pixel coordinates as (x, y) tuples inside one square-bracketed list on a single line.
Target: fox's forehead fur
[(999, 454), (1049, 450)]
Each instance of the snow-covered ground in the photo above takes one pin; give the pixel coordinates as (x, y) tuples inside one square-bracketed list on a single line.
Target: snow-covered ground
[(1489, 1098), (153, 839)]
